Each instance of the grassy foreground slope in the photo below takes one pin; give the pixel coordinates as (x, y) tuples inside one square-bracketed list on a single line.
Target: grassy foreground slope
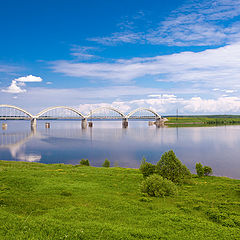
[(59, 201)]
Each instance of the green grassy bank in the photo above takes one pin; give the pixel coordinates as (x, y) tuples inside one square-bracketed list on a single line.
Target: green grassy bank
[(208, 120), (39, 201)]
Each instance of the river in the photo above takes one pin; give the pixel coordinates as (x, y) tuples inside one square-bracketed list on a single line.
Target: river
[(66, 142)]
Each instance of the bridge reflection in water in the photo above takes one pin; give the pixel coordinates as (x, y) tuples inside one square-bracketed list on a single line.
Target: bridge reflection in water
[(15, 141), (39, 144), (9, 112)]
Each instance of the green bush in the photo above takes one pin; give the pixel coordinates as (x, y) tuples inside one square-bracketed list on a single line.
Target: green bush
[(170, 167), (207, 170), (199, 169), (146, 168), (66, 194), (106, 163), (157, 186), (84, 162)]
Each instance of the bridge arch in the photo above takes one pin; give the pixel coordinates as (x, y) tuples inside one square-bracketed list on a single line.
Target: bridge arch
[(108, 108), (146, 109), (57, 107), (17, 108)]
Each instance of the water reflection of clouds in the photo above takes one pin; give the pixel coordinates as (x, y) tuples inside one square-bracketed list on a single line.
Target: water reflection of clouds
[(15, 142), (67, 142), (29, 157)]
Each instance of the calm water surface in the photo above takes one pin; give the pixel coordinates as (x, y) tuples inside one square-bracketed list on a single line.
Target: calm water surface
[(65, 142)]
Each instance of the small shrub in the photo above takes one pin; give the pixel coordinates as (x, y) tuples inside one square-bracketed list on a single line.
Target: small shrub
[(146, 168), (207, 170), (66, 194), (1, 202), (145, 199), (215, 215), (199, 170), (84, 162), (156, 186), (170, 167), (106, 163)]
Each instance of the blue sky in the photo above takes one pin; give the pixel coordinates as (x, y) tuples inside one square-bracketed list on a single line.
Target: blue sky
[(127, 54)]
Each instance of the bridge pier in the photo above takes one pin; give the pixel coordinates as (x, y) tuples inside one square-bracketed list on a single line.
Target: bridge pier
[(84, 123), (4, 126), (159, 122), (33, 122), (33, 129), (125, 123)]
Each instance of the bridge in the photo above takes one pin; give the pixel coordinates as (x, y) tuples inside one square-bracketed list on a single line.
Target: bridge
[(10, 112)]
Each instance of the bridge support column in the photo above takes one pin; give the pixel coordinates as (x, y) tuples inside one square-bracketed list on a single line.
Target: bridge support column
[(125, 123), (33, 129), (33, 122), (84, 123), (159, 122)]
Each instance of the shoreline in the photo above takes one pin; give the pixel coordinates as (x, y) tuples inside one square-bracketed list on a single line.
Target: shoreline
[(78, 165)]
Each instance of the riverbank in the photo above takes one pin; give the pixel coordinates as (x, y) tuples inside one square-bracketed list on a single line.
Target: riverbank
[(199, 121), (57, 201)]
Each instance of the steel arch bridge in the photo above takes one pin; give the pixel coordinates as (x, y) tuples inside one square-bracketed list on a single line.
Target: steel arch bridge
[(64, 112), (41, 114)]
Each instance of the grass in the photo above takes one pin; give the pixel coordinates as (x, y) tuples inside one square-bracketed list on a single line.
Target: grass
[(58, 201), (208, 120)]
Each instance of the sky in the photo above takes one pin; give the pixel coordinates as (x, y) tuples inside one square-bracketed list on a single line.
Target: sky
[(165, 55)]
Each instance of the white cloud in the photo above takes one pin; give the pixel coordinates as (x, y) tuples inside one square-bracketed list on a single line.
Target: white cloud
[(225, 90), (29, 78), (230, 91), (168, 105), (215, 67), (126, 99), (14, 88), (8, 68), (17, 83), (221, 105), (124, 37), (87, 108), (83, 52), (198, 23)]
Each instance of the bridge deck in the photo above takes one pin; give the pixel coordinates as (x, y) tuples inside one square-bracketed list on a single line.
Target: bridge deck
[(75, 118)]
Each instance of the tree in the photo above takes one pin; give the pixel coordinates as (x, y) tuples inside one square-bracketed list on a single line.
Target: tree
[(199, 169), (147, 168), (170, 167), (106, 163), (84, 162), (207, 170)]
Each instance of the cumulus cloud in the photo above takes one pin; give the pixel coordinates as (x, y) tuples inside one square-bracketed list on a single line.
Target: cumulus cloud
[(169, 104), (29, 78), (14, 88), (128, 98), (222, 105), (17, 83)]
